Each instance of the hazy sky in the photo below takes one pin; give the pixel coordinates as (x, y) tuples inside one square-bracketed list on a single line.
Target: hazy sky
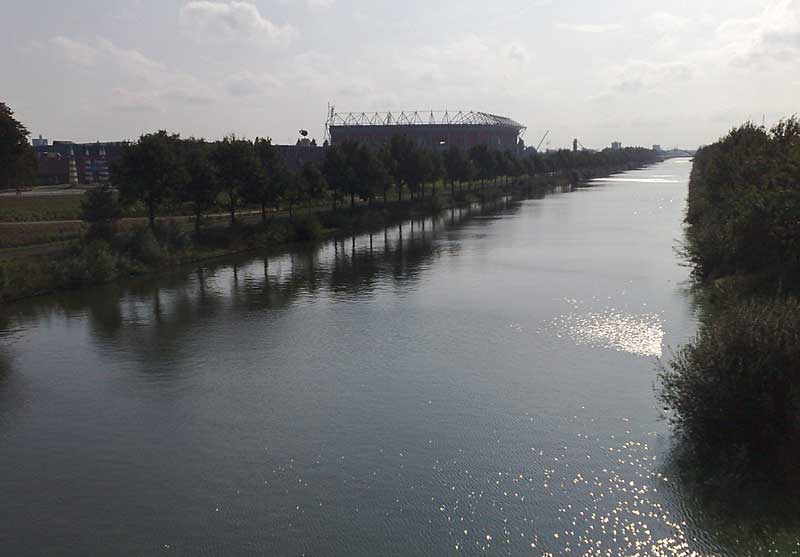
[(638, 71)]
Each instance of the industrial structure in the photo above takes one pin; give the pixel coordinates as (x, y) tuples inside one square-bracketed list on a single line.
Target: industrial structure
[(65, 162), (429, 129)]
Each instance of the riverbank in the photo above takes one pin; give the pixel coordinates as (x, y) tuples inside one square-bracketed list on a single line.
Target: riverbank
[(138, 250), (732, 392)]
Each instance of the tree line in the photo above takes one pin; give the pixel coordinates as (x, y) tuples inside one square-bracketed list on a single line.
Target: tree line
[(17, 160), (733, 391), (162, 169)]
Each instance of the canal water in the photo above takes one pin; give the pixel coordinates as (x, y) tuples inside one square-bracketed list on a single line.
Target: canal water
[(481, 382)]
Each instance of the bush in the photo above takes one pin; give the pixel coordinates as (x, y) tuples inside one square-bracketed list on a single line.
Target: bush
[(306, 229), (141, 245), (90, 263), (735, 391), (436, 204), (171, 237)]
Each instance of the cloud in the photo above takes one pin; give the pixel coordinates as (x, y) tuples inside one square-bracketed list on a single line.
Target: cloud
[(517, 52), (208, 21), (140, 82), (248, 84), (319, 4), (75, 51), (666, 23), (773, 36), (641, 76), (589, 27)]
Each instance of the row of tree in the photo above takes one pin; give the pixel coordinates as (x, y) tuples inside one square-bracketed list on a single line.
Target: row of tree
[(734, 389), (744, 202), (161, 169), (17, 161)]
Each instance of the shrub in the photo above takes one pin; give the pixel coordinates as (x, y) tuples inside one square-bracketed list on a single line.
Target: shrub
[(171, 237), (90, 263), (100, 209), (735, 391), (306, 229), (141, 245), (436, 204)]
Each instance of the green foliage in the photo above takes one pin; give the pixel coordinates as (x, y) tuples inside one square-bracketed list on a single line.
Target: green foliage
[(86, 264), (40, 208), (735, 391), (306, 229), (744, 202), (100, 209), (263, 181), (457, 166), (150, 171), (202, 186), (17, 160), (241, 172), (313, 182)]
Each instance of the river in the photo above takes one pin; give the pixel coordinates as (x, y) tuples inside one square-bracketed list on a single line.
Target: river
[(479, 382)]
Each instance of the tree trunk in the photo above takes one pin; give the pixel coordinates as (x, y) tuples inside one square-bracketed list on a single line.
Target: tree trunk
[(197, 217), (352, 201), (151, 215), (291, 211), (399, 191), (232, 207), (263, 213), (452, 189)]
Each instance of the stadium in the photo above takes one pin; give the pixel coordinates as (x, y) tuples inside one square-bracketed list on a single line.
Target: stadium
[(430, 129)]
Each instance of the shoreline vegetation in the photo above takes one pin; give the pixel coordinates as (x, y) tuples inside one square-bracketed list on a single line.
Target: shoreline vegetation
[(174, 185), (733, 393)]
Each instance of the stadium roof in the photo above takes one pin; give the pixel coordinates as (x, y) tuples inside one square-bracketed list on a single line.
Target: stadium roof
[(421, 118)]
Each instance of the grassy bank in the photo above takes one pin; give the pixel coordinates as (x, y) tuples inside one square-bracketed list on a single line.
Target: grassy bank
[(734, 392), (135, 249)]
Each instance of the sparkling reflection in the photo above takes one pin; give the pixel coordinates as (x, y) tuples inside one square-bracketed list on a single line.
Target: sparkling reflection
[(613, 329)]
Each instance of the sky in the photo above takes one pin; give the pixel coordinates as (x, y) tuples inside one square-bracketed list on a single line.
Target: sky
[(674, 73)]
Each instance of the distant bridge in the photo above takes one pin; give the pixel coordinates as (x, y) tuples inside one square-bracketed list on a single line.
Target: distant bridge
[(675, 153)]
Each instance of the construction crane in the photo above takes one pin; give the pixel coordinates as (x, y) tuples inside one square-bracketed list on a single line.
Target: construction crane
[(542, 141)]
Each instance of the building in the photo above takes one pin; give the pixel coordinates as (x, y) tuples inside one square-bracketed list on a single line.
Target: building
[(65, 162), (616, 146), (657, 148), (40, 141), (430, 129), (295, 156)]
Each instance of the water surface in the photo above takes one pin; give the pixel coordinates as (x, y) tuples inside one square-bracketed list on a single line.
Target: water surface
[(478, 382)]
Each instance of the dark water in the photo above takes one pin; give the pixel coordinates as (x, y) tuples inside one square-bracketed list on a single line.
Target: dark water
[(483, 382)]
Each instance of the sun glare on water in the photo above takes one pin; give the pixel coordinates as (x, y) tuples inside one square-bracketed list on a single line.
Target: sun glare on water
[(616, 330)]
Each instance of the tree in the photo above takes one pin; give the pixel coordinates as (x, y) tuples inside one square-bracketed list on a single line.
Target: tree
[(454, 161), (401, 155), (337, 172), (484, 161), (100, 209), (150, 171), (313, 181), (345, 167), (202, 186), (435, 169), (291, 189), (240, 174), (265, 187), (17, 159), (370, 173)]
